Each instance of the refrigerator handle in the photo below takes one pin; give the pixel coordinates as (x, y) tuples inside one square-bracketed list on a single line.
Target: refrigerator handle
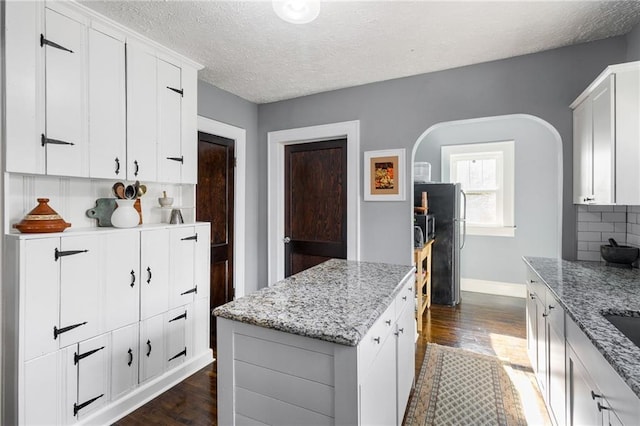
[(464, 219)]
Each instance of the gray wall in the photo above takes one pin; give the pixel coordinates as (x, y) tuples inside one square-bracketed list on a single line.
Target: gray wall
[(538, 184), (223, 106), (393, 114), (633, 44)]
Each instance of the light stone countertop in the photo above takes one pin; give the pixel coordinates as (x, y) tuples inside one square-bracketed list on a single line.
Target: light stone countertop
[(586, 290), (336, 301)]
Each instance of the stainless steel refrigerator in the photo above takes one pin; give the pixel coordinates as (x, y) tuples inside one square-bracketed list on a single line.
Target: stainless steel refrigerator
[(446, 201)]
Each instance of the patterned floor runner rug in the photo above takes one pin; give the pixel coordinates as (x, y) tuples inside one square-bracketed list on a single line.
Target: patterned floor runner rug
[(459, 387)]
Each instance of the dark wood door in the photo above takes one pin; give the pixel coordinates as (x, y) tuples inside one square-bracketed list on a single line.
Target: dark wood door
[(315, 203), (214, 201)]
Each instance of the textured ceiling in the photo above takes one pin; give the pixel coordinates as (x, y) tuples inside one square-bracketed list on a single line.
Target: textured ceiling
[(247, 50)]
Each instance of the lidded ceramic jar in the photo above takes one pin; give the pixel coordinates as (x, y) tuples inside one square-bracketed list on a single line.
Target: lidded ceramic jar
[(42, 219)]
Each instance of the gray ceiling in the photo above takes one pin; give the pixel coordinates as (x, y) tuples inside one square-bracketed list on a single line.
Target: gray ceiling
[(247, 50)]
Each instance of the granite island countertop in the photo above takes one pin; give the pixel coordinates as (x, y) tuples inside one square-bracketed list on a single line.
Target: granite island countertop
[(586, 290), (336, 301)]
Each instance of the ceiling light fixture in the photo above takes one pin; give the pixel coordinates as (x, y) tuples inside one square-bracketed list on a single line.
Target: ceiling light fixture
[(297, 11)]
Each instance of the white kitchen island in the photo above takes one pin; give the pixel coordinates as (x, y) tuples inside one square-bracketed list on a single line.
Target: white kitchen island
[(332, 345)]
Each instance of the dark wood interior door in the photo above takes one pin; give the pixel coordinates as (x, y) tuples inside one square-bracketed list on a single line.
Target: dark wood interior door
[(315, 204), (214, 201)]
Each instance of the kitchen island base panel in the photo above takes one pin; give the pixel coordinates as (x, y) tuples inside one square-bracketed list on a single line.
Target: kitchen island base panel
[(276, 378)]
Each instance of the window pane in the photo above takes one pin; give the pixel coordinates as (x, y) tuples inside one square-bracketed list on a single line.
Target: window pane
[(482, 208), (462, 172)]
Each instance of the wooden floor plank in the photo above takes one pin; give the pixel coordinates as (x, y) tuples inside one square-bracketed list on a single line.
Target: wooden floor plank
[(492, 325)]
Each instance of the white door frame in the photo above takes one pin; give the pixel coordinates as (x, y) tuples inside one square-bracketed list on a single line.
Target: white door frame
[(239, 135), (276, 143)]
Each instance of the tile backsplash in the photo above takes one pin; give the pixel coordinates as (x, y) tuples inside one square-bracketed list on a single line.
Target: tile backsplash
[(596, 224)]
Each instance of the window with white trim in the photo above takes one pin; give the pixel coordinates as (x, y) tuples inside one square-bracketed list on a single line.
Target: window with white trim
[(486, 174)]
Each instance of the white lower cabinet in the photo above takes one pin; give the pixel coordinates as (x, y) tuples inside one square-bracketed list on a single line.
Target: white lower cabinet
[(378, 388), (405, 353), (82, 344)]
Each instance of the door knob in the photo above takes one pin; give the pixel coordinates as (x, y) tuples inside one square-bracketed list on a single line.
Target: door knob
[(286, 240)]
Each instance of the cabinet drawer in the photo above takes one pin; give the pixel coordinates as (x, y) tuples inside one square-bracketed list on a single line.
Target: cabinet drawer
[(555, 313), (376, 336), (405, 297), (536, 285)]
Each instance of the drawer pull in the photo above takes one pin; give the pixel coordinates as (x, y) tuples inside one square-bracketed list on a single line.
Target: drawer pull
[(45, 42), (191, 238), (178, 159), (377, 340), (401, 330), (77, 357), (602, 407), (130, 352), (551, 307), (135, 163), (181, 316), (532, 296), (117, 166), (546, 314), (58, 331), (148, 347), (78, 407), (179, 354), (531, 281), (193, 290), (133, 278), (595, 395), (404, 297), (58, 254), (148, 275), (388, 322), (587, 199)]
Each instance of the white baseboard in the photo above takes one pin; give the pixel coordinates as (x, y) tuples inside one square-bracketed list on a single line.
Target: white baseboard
[(493, 287), (148, 390)]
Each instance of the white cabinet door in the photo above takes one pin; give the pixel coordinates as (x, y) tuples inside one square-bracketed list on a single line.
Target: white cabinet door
[(627, 137), (583, 409), (107, 106), (41, 286), (541, 345), (203, 260), (122, 279), (80, 276), (154, 283), (182, 252), (124, 360), (190, 125), (152, 347), (557, 359), (532, 332), (378, 388), (169, 122), (92, 361), (66, 144), (141, 115), (45, 390), (405, 356), (176, 327), (583, 153), (201, 327), (604, 141)]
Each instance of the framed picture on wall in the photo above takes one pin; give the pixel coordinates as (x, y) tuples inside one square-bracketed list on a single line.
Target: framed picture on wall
[(384, 175)]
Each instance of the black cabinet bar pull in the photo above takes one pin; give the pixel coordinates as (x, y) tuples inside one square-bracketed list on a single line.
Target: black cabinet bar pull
[(135, 163), (45, 140), (181, 316), (180, 91), (191, 238), (193, 290), (77, 357), (117, 166), (149, 274), (130, 352), (179, 159), (58, 254), (179, 354), (149, 347), (58, 331), (44, 41), (78, 407), (133, 278)]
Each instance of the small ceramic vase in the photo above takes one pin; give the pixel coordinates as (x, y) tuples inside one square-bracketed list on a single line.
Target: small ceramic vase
[(125, 216)]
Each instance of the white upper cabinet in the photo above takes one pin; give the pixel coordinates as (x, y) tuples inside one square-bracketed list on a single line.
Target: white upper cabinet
[(65, 141), (107, 106), (606, 138), (89, 98), (142, 127)]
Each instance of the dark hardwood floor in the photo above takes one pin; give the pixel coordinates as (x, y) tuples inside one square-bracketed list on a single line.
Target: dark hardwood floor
[(493, 325)]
